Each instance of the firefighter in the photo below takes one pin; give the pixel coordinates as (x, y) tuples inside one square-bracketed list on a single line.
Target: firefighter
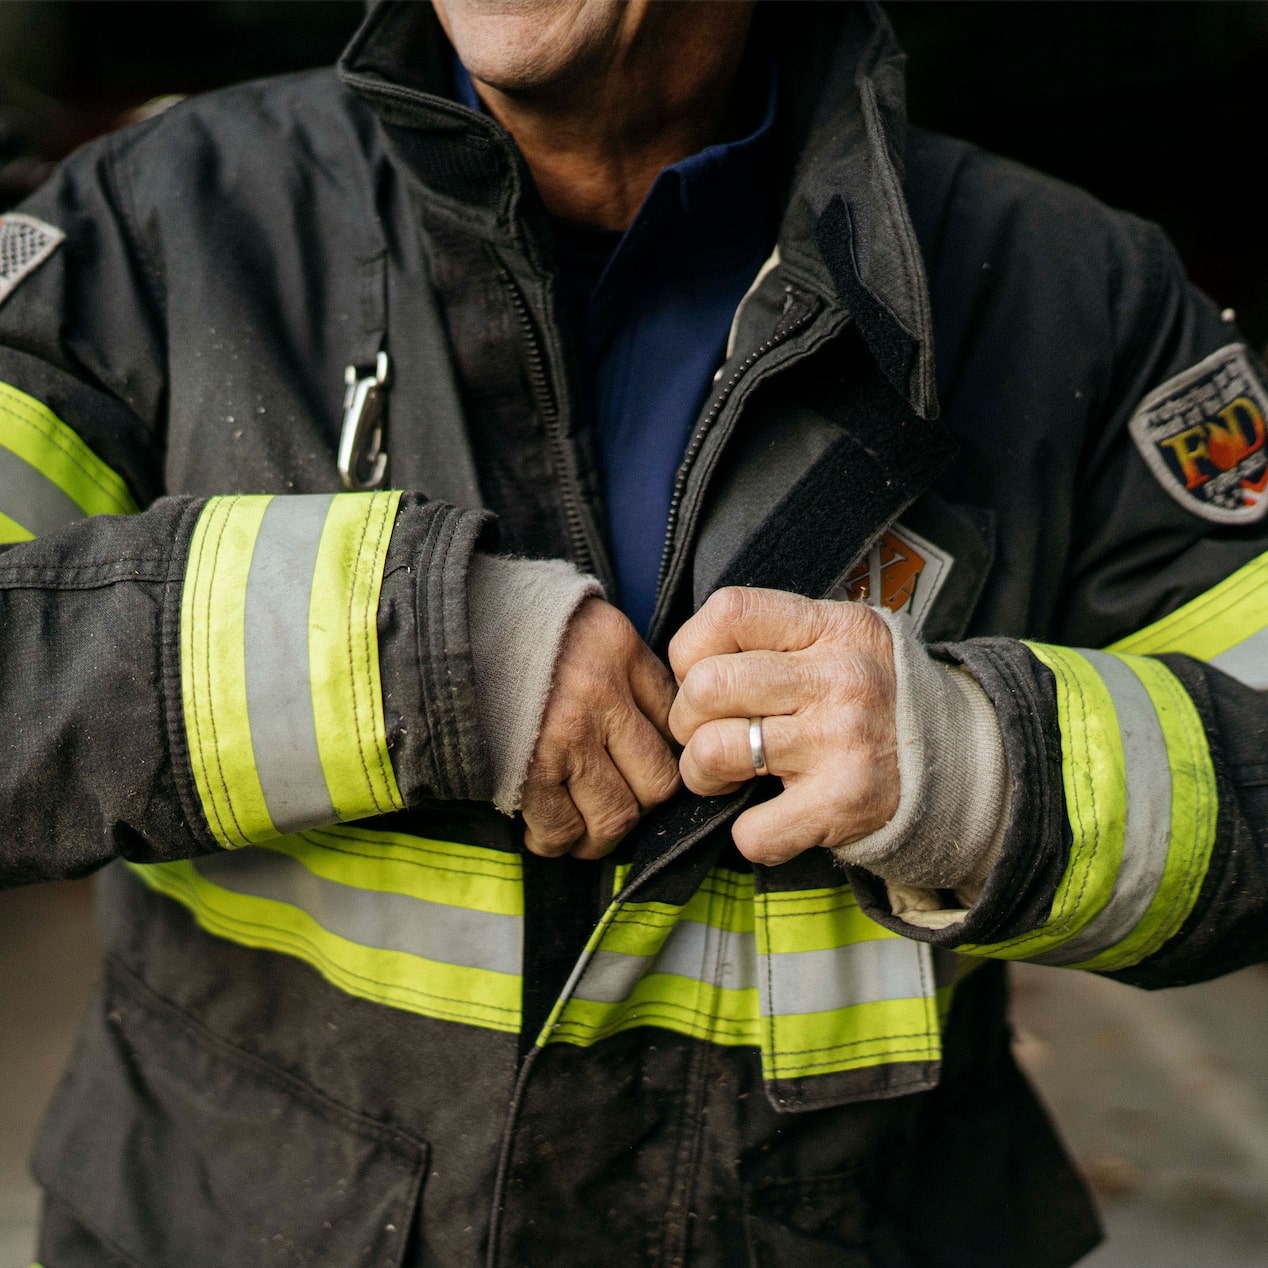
[(591, 585)]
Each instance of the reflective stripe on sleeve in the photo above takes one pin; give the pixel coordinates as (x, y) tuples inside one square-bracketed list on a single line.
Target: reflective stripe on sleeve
[(1141, 802), (1226, 626), (48, 476), (279, 662), (431, 927)]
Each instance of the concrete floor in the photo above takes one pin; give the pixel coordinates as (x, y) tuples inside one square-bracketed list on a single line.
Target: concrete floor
[(1163, 1098)]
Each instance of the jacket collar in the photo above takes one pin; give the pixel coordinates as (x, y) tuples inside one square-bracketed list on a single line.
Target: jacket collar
[(846, 231)]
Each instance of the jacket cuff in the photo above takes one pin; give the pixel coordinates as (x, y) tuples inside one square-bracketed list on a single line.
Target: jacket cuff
[(280, 687), (518, 611), (434, 734), (947, 831)]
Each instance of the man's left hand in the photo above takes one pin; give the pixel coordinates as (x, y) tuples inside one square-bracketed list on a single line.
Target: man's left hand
[(820, 675)]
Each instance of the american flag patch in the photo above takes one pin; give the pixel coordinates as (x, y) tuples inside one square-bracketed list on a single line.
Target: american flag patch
[(25, 243)]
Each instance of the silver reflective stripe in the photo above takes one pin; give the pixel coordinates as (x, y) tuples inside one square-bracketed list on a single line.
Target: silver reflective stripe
[(692, 950), (372, 918), (279, 696), (1148, 832), (1247, 661), (861, 973), (31, 499)]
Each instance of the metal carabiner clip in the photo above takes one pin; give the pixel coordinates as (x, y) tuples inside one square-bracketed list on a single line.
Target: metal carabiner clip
[(362, 460)]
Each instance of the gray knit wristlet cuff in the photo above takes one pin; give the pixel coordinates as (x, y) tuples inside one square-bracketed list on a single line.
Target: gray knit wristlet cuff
[(954, 788), (518, 611)]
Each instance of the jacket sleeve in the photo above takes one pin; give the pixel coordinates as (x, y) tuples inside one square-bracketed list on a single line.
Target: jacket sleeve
[(179, 675), (1137, 837)]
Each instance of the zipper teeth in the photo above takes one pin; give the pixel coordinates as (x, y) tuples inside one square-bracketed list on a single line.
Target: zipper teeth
[(544, 397), (702, 433)]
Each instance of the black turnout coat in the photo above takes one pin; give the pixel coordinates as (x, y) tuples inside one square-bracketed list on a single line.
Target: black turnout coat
[(344, 1019)]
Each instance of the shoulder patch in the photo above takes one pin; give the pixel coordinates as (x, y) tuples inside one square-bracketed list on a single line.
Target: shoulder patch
[(1202, 434), (25, 243), (901, 571)]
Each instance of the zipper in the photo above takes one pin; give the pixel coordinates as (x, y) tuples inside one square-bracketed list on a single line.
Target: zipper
[(581, 541), (782, 333)]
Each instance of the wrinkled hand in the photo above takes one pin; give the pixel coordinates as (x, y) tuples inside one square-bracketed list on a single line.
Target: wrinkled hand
[(603, 754), (821, 675)]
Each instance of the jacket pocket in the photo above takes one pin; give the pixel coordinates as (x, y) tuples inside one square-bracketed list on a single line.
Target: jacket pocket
[(823, 1221), (174, 1147)]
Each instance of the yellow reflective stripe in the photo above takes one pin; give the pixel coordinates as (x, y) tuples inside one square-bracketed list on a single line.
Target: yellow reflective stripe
[(694, 1009), (1215, 621), (817, 947), (626, 945), (344, 655), (1194, 806), (280, 663), (816, 920), (445, 872), (11, 531), (213, 670), (881, 1032), (447, 992), (31, 431), (1093, 776), (756, 969)]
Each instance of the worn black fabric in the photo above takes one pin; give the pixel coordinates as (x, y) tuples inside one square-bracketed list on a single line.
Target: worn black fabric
[(196, 1111), (223, 265)]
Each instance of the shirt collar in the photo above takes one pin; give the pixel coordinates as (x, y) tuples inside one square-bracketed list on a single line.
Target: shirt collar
[(702, 195)]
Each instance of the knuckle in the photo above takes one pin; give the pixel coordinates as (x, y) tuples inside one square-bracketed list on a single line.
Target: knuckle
[(710, 751), (728, 606), (613, 824), (556, 837), (664, 780), (704, 684)]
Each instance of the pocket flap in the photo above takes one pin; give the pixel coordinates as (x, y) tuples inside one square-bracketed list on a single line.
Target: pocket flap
[(177, 1148)]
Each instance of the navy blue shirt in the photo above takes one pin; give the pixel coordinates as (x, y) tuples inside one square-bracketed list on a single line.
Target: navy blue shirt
[(652, 310)]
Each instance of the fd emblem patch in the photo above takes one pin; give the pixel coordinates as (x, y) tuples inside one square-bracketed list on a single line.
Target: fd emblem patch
[(25, 243), (901, 571), (1202, 434)]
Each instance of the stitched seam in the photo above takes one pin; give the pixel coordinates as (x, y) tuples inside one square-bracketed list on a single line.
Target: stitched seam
[(211, 695), (386, 525), (378, 506), (807, 1068), (830, 1099), (198, 749), (1165, 930), (50, 437), (1177, 626), (281, 943), (383, 502), (771, 1010), (354, 683), (425, 866), (424, 845), (854, 1043), (85, 564), (1061, 921)]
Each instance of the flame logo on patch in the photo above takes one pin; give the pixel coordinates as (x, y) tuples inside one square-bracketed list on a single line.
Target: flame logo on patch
[(1203, 435)]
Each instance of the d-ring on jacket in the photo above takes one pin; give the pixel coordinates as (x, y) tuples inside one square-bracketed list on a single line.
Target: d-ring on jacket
[(332, 1030)]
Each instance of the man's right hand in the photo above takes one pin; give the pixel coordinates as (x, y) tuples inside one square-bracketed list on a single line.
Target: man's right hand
[(603, 755)]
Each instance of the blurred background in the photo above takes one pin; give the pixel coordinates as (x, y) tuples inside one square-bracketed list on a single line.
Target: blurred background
[(1158, 108)]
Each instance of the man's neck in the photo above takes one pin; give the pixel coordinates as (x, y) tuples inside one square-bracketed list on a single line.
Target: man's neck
[(596, 142)]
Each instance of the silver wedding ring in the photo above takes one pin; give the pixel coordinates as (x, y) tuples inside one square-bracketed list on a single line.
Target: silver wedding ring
[(757, 746)]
